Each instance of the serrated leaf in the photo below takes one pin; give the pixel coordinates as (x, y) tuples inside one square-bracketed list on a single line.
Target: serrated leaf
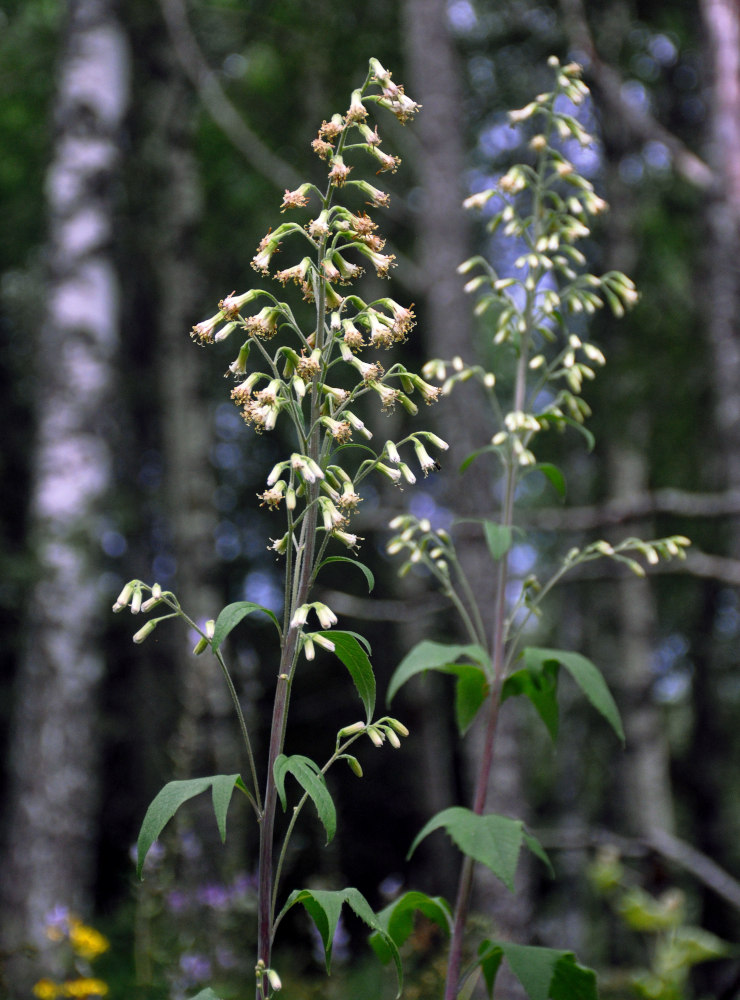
[(365, 570), (540, 686), (171, 797), (545, 973), (555, 476), (308, 775), (586, 675), (355, 659), (498, 538), (494, 841), (398, 919), (232, 614), (324, 908)]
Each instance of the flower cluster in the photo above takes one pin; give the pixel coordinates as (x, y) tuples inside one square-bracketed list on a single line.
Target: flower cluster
[(84, 944), (315, 380)]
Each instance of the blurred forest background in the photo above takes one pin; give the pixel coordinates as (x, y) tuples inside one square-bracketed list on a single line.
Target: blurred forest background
[(144, 149)]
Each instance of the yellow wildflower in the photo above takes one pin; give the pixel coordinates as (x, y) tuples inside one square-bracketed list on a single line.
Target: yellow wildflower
[(46, 989), (86, 941), (83, 988)]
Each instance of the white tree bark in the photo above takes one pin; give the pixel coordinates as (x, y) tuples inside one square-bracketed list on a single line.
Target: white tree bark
[(50, 852)]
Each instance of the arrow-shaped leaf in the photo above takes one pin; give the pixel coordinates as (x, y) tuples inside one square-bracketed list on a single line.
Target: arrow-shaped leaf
[(171, 797)]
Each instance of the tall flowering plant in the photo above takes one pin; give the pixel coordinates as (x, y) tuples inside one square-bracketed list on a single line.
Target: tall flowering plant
[(543, 205), (312, 380)]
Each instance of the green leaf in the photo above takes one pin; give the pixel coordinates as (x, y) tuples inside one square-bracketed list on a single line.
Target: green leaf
[(473, 683), (324, 907), (397, 919), (476, 454), (586, 675), (230, 617), (545, 973), (171, 797), (308, 775), (206, 994), (353, 562), (429, 655), (540, 686), (498, 538), (492, 840), (355, 659), (562, 419), (554, 474)]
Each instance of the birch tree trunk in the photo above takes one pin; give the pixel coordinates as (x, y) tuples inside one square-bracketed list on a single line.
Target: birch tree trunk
[(50, 855)]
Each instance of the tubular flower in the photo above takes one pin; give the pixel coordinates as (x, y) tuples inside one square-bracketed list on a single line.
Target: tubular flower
[(271, 498), (403, 318), (339, 172), (378, 198), (331, 271), (381, 262), (352, 336), (370, 136), (261, 260), (340, 430), (322, 148), (295, 199), (264, 324), (427, 463), (382, 332), (297, 273), (388, 396), (386, 160), (330, 130), (357, 112)]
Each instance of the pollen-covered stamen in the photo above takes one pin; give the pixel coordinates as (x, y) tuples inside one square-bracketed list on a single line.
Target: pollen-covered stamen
[(352, 336)]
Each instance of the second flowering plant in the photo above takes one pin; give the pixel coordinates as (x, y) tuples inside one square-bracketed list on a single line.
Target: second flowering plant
[(312, 380)]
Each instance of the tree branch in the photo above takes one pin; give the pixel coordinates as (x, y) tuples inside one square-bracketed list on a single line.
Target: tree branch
[(221, 109), (681, 503), (640, 123)]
